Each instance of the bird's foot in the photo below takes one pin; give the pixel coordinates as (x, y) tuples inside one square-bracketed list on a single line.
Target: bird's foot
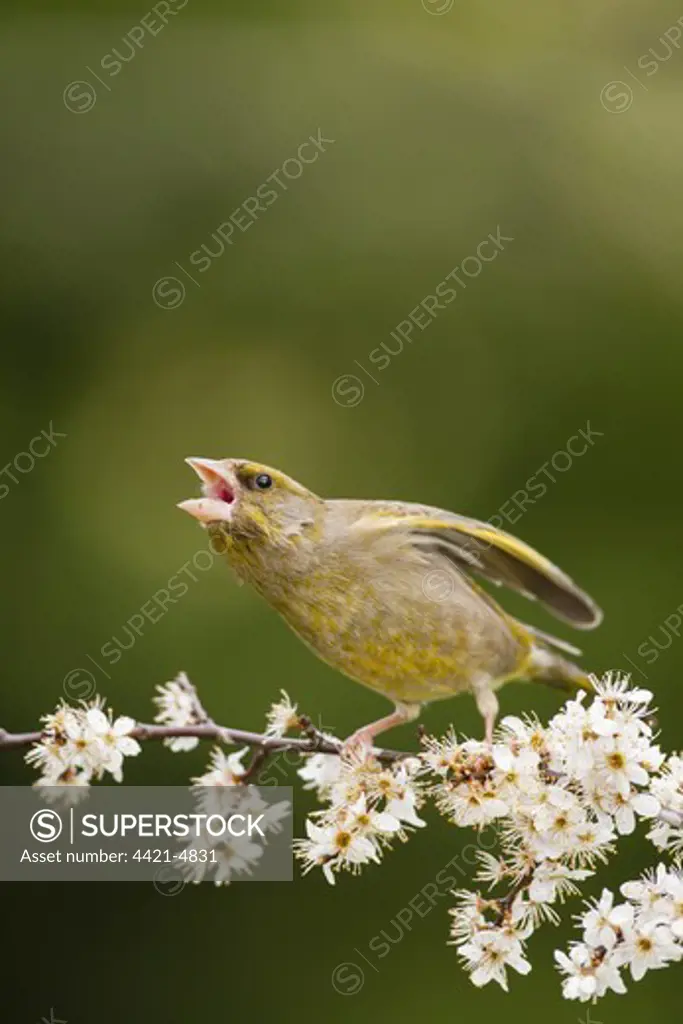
[(362, 740), (358, 744), (487, 703)]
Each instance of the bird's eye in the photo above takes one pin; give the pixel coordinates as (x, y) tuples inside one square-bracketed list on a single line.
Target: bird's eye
[(263, 481)]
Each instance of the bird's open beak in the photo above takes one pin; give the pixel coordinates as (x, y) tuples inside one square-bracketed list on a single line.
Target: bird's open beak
[(220, 491)]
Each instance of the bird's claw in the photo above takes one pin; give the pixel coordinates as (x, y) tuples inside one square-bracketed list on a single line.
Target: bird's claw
[(358, 744)]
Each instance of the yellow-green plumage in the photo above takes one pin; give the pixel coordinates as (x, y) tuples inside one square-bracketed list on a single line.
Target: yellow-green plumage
[(383, 591)]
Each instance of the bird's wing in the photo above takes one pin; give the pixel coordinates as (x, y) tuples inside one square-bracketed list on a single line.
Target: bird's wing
[(475, 547), (553, 641)]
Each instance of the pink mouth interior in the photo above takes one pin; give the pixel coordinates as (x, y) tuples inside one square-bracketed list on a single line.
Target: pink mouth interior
[(220, 490)]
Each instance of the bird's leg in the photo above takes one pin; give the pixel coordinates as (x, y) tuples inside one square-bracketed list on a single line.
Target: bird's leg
[(364, 737), (488, 706)]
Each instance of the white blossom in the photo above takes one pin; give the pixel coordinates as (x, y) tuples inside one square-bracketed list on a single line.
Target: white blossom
[(468, 916), (553, 798), (370, 805), (649, 947), (553, 880), (228, 859), (224, 769), (335, 847), (366, 821), (282, 717), (580, 981), (604, 923), (643, 934), (321, 771), (113, 741), (81, 743), (558, 797), (178, 706), (589, 975), (489, 952), (667, 834)]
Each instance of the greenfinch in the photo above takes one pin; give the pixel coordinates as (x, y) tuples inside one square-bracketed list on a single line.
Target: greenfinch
[(384, 591)]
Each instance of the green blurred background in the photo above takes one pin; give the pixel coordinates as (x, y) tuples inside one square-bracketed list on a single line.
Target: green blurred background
[(447, 124)]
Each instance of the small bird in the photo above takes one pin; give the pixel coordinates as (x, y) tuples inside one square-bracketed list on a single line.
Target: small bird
[(384, 591)]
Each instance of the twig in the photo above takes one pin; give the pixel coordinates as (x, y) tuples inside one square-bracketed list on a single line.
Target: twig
[(311, 732), (505, 902), (259, 758), (222, 734)]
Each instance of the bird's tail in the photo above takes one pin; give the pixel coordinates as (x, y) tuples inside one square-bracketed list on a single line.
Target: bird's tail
[(545, 666)]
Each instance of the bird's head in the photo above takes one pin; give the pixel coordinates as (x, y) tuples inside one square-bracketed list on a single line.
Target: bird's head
[(246, 499)]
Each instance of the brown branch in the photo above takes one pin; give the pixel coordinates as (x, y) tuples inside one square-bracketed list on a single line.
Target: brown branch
[(505, 902), (258, 760), (311, 744)]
